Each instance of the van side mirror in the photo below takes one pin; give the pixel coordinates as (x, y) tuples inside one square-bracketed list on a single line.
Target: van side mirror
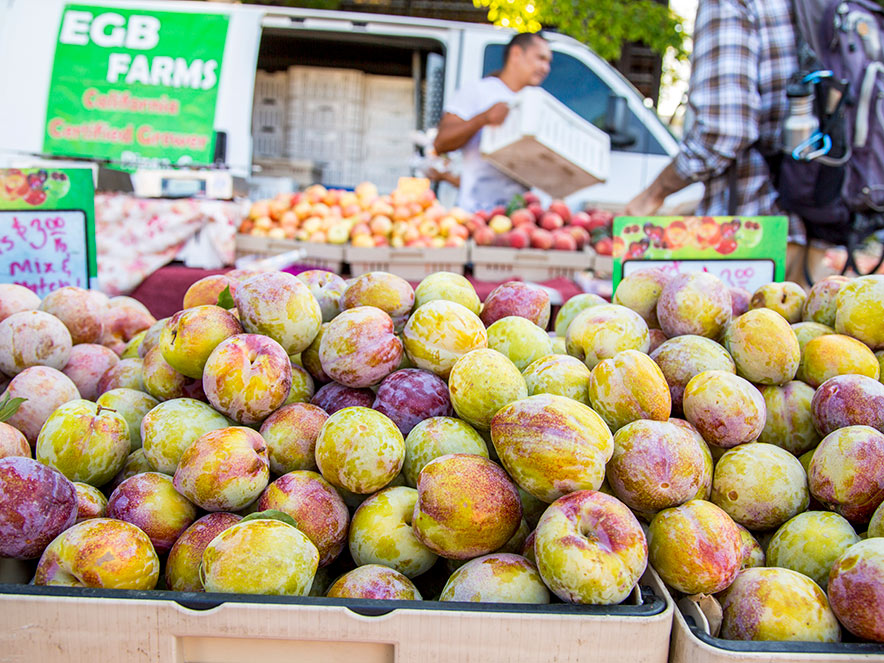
[(617, 122)]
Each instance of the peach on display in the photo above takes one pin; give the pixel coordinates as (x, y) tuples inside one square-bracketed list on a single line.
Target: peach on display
[(15, 298), (640, 291), (835, 354), (552, 445), (84, 441), (410, 395), (150, 502), (810, 543), (381, 533), (132, 405), (189, 337), (290, 434), (224, 470), (481, 383), (657, 465), (183, 563), (279, 305), (390, 293), (44, 389), (627, 387), (600, 332), (519, 339), (13, 442), (82, 312), (558, 374), (247, 377), (683, 357), (786, 298), (496, 578), (333, 397), (860, 309), (359, 348), (590, 548), (327, 288), (169, 428), (848, 400), (764, 347), (466, 506), (125, 374), (100, 552), (88, 362), (789, 422), (374, 581), (33, 338), (436, 437), (316, 507), (206, 290), (726, 409), (847, 472), (37, 503), (572, 308), (359, 449), (695, 547), (856, 589), (450, 287), (760, 486), (91, 502), (517, 298), (439, 333), (260, 557), (694, 303)]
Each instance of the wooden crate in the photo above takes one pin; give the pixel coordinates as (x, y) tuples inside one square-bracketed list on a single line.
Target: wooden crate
[(322, 256), (492, 263), (87, 625), (603, 266), (411, 263)]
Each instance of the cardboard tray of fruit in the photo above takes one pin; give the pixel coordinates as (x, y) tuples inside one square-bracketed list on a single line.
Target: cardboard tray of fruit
[(412, 263), (83, 624), (323, 256), (493, 263)]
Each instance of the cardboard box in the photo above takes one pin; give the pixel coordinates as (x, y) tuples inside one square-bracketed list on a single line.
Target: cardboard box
[(544, 144), (492, 263), (411, 263), (90, 626)]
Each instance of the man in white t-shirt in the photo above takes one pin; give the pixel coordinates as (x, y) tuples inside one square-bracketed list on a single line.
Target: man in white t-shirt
[(482, 187)]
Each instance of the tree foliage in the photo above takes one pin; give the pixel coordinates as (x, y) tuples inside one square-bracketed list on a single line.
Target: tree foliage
[(603, 25)]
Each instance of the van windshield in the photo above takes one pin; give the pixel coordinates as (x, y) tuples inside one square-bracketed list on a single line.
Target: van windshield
[(580, 89)]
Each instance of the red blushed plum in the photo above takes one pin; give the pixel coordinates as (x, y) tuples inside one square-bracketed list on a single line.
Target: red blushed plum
[(327, 288), (740, 299), (186, 555), (16, 298), (316, 507), (590, 549), (165, 383), (247, 377), (82, 312), (359, 348), (683, 357), (151, 338), (726, 409), (87, 364), (123, 319), (33, 338), (44, 389), (856, 589), (374, 581), (694, 303), (411, 395), (517, 298), (150, 502), (189, 337), (13, 442), (91, 502), (125, 374), (206, 290), (334, 396), (640, 291), (388, 292), (291, 434), (848, 400), (846, 473), (466, 506), (37, 503)]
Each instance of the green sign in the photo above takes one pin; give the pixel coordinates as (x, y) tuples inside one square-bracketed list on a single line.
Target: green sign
[(47, 228), (135, 86), (744, 252)]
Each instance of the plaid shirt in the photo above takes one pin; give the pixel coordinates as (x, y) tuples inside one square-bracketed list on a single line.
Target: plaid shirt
[(744, 53)]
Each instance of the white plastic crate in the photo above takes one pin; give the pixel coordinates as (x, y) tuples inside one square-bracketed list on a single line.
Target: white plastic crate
[(325, 83), (411, 263), (268, 141), (342, 174), (324, 146), (385, 176), (270, 87), (269, 115), (389, 149), (389, 92), (337, 114), (544, 144), (265, 187), (388, 122)]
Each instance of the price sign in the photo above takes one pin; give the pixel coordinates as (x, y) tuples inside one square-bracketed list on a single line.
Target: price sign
[(744, 252), (47, 236)]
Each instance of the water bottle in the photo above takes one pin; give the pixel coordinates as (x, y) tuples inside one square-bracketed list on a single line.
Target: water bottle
[(801, 122)]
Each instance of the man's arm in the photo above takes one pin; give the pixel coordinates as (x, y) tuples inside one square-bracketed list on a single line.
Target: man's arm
[(646, 203), (455, 132)]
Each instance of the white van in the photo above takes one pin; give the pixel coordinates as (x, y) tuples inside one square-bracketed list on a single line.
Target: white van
[(38, 49)]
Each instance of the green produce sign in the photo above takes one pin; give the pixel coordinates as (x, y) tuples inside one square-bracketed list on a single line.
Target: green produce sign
[(135, 86)]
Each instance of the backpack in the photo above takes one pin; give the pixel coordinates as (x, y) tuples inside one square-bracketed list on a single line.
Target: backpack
[(836, 182)]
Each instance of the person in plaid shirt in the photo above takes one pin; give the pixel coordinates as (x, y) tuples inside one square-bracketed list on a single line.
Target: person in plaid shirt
[(744, 53)]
